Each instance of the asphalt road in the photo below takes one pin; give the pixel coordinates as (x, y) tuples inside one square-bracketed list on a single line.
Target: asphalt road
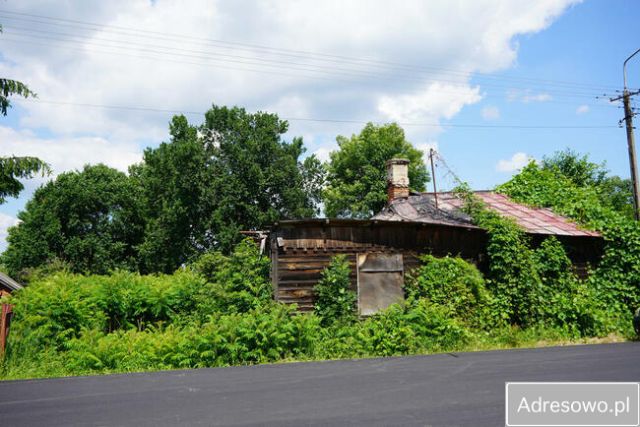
[(445, 389)]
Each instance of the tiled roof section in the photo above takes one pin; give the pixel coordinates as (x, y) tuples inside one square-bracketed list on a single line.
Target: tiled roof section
[(421, 208)]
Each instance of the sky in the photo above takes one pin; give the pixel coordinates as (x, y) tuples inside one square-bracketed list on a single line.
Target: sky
[(489, 84)]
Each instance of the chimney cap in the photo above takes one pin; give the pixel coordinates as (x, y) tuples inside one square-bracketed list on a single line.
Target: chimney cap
[(397, 161)]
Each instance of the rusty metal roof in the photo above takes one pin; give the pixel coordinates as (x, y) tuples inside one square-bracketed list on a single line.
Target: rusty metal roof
[(421, 208)]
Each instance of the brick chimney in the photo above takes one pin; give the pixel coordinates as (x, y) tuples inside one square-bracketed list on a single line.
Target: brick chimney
[(397, 179)]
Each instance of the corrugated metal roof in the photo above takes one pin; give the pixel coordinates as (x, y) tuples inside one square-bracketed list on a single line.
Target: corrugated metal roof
[(421, 208)]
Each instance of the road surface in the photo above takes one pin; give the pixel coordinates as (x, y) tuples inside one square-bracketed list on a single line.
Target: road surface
[(445, 389)]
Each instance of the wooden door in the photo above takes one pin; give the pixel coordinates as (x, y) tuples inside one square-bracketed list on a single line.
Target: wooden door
[(380, 280)]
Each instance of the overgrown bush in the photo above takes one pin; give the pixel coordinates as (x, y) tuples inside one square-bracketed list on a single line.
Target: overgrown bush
[(50, 312), (258, 337), (617, 277), (335, 300), (536, 286), (234, 284), (453, 284)]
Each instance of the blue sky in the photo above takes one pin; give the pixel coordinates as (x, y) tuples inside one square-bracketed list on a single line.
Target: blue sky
[(447, 64), (588, 43)]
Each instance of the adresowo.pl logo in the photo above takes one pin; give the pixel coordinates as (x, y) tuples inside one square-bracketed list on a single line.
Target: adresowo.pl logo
[(584, 404)]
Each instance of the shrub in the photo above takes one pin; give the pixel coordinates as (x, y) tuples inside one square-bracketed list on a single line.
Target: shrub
[(454, 284), (51, 311), (236, 339), (334, 298), (416, 327), (236, 283)]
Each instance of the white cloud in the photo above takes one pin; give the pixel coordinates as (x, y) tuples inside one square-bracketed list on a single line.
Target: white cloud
[(490, 113), (526, 96), (425, 147), (430, 105), (66, 153), (6, 221), (539, 97), (322, 153), (515, 163), (582, 109), (110, 66)]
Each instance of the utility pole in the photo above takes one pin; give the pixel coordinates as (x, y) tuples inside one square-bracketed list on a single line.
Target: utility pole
[(628, 118), (433, 174)]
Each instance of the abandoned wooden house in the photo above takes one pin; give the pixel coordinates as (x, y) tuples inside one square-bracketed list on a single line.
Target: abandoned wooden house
[(383, 249)]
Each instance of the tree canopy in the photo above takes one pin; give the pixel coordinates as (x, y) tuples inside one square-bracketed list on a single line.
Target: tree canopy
[(613, 191), (209, 182), (356, 181), (87, 219)]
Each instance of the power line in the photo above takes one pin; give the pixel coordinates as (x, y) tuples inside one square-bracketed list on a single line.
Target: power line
[(321, 120), (47, 20), (277, 71), (128, 46)]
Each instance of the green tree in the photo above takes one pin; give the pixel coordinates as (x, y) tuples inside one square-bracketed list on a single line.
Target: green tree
[(356, 181), (617, 193), (209, 182), (259, 178), (575, 167), (172, 184), (88, 219), (613, 191)]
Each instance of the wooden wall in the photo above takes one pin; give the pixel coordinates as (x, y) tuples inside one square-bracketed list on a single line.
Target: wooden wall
[(300, 251)]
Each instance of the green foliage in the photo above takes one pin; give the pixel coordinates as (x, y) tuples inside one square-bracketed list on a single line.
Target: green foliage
[(576, 168), (612, 191), (51, 311), (89, 220), (617, 277), (535, 287), (218, 310), (412, 328), (356, 181), (453, 284), (171, 185), (12, 169), (208, 183), (10, 87), (259, 337), (335, 300), (236, 283)]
